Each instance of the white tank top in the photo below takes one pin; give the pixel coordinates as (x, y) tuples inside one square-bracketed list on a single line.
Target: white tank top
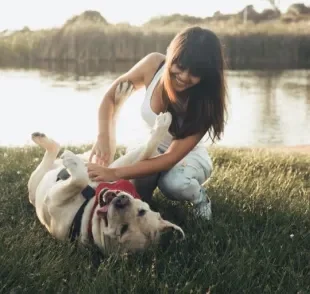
[(148, 115)]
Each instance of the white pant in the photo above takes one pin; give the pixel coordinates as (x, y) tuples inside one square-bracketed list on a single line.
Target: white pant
[(181, 182)]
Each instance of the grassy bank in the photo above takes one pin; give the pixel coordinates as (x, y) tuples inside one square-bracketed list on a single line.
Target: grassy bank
[(247, 46), (258, 241)]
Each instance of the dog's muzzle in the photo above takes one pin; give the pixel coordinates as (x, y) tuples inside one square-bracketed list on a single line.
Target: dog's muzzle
[(121, 201)]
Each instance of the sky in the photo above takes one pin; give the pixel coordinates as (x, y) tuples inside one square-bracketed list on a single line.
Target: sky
[(36, 14)]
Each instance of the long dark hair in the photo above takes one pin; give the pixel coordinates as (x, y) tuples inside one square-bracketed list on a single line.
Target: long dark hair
[(198, 50)]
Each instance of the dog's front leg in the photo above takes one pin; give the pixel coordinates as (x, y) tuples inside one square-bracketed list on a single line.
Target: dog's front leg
[(162, 124), (148, 150), (64, 191)]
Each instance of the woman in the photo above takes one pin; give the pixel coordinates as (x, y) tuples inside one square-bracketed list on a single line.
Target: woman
[(189, 83)]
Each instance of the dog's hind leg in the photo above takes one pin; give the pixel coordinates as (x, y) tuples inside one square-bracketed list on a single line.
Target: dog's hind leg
[(51, 150), (65, 190)]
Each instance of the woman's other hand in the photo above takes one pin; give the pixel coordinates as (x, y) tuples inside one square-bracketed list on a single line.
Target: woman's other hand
[(99, 173), (103, 150)]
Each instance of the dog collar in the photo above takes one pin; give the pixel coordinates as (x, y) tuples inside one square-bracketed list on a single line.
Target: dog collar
[(88, 193)]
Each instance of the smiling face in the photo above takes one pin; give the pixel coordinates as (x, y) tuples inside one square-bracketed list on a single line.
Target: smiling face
[(194, 84), (130, 221), (181, 78)]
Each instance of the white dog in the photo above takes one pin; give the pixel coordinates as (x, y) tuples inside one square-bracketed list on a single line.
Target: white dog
[(69, 204)]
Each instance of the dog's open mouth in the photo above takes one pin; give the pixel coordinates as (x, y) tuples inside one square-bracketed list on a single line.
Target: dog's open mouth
[(107, 199)]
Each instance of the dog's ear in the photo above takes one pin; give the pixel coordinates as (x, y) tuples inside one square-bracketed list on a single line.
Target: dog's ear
[(100, 196), (166, 226)]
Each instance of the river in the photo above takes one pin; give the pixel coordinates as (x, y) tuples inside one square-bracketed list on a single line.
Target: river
[(265, 108)]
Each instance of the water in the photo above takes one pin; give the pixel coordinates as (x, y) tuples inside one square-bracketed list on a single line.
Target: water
[(265, 108)]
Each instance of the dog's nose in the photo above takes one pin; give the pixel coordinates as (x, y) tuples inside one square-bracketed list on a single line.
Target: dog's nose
[(121, 201)]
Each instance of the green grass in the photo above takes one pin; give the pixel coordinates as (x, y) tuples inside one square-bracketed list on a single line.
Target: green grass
[(257, 242)]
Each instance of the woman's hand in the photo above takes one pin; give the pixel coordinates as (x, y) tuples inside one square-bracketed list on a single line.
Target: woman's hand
[(99, 173), (104, 151)]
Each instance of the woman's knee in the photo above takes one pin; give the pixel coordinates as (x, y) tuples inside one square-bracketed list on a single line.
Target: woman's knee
[(146, 186), (180, 188), (171, 185)]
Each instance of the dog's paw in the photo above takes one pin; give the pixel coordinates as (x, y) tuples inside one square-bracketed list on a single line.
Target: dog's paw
[(123, 90), (163, 121), (37, 135), (74, 164), (70, 160), (43, 141)]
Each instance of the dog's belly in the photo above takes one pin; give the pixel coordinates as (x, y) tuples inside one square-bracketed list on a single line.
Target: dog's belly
[(56, 218), (61, 217)]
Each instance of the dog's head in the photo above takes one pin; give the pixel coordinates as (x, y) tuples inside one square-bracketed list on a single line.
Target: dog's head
[(131, 222)]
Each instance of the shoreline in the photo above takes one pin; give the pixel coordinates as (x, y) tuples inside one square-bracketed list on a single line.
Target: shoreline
[(299, 149), (304, 149), (295, 149)]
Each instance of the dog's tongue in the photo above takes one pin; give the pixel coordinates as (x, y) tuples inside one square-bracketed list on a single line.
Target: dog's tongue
[(104, 208)]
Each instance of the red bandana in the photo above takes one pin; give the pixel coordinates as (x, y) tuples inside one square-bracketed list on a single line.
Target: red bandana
[(120, 185)]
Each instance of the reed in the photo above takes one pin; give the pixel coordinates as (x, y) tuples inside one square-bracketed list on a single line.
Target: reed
[(247, 46)]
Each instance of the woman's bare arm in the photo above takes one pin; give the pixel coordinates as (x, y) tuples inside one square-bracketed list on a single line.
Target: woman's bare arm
[(137, 75), (176, 152)]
